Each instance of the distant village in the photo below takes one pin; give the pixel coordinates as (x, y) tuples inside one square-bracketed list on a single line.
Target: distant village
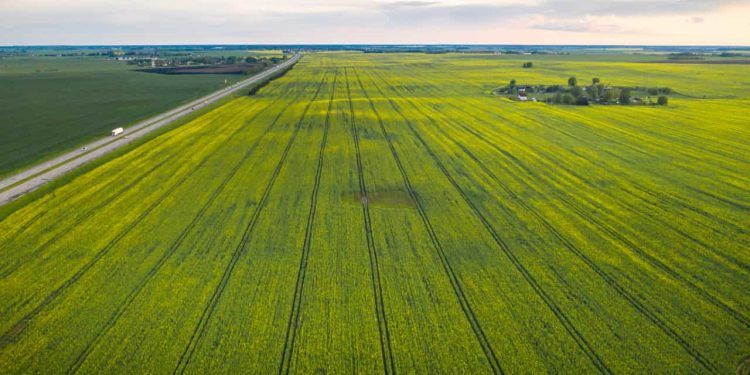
[(575, 94)]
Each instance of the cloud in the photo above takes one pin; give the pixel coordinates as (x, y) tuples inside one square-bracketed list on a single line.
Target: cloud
[(366, 21), (410, 4), (627, 8), (580, 26)]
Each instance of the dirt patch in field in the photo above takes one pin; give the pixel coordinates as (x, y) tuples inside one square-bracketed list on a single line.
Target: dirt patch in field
[(384, 199)]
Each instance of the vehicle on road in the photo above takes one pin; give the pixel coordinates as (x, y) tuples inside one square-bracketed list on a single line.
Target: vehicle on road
[(118, 131)]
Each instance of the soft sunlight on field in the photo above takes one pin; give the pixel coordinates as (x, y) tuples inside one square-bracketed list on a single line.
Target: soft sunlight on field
[(386, 213)]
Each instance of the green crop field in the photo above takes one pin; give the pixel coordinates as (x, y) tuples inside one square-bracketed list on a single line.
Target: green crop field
[(51, 104), (385, 213)]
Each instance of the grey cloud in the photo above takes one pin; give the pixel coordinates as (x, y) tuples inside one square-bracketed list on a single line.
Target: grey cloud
[(410, 4), (558, 15), (342, 20), (632, 7), (558, 8), (579, 27)]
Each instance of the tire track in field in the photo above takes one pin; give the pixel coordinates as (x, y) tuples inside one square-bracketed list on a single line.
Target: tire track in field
[(23, 228), (86, 214), (623, 292), (646, 190), (548, 300), (610, 136), (103, 187), (728, 258), (650, 259), (384, 334), (739, 206), (175, 245), (457, 289), (673, 136), (656, 263), (744, 320), (665, 198), (293, 323), (709, 249), (210, 307), (10, 335)]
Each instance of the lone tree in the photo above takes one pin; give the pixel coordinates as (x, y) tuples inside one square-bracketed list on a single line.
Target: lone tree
[(595, 81), (663, 100), (625, 96), (528, 64), (512, 83), (572, 81)]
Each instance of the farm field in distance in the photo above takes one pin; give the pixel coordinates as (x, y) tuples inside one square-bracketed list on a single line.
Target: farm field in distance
[(385, 213), (51, 104)]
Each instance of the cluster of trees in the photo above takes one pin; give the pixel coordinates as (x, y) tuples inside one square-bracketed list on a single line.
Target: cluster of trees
[(528, 64), (207, 60), (657, 90), (596, 92), (685, 56)]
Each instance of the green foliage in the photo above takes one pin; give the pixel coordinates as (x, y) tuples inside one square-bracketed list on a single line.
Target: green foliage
[(576, 91), (572, 81), (663, 100), (611, 95), (596, 91), (528, 64), (625, 96), (367, 212)]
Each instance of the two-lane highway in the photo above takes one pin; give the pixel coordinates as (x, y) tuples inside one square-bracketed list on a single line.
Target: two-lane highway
[(17, 185)]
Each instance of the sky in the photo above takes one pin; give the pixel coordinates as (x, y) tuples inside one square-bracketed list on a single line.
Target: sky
[(631, 22)]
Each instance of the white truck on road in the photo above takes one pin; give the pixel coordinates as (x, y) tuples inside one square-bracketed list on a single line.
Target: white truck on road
[(118, 131)]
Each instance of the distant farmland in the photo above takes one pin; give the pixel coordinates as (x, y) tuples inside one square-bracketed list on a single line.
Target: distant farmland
[(385, 213), (52, 104)]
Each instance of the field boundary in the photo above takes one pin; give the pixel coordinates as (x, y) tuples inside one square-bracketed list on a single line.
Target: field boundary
[(81, 217), (634, 302), (175, 245), (219, 290), (650, 259), (577, 336), (645, 190), (380, 314), (293, 323), (15, 186), (8, 336), (457, 289), (19, 326)]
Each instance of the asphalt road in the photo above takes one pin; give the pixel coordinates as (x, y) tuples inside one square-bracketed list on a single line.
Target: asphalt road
[(15, 186)]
